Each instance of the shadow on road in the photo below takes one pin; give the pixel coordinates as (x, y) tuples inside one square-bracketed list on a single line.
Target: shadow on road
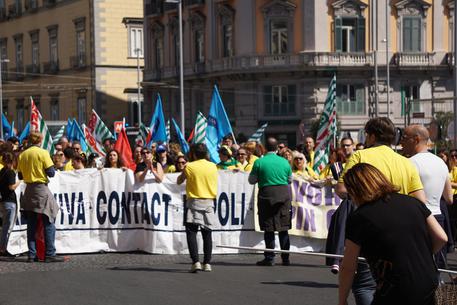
[(303, 284), (166, 270)]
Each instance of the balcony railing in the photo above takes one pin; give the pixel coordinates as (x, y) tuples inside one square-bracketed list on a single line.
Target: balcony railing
[(17, 73), (32, 69), (414, 59), (78, 62), (339, 59), (50, 67)]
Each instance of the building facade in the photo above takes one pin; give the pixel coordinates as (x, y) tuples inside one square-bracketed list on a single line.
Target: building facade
[(71, 56), (273, 60)]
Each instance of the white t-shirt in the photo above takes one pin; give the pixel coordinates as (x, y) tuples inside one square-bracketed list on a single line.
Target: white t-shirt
[(433, 173)]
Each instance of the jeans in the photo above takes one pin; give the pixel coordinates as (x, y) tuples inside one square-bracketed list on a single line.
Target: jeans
[(8, 211), (284, 243), (191, 234), (441, 256), (363, 286), (49, 234)]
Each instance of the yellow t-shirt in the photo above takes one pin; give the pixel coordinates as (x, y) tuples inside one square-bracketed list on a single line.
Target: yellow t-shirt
[(251, 161), (398, 169), (311, 157), (453, 177), (68, 166), (171, 169), (307, 173), (1, 162), (32, 164), (201, 176)]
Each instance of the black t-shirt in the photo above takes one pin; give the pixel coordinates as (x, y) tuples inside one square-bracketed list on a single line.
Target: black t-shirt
[(393, 236), (7, 178), (142, 166)]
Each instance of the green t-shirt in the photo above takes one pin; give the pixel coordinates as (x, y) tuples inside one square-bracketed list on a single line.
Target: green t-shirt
[(271, 170)]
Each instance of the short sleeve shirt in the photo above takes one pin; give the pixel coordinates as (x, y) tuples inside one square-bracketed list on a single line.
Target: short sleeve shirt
[(32, 164), (400, 171), (7, 178), (201, 176), (272, 170)]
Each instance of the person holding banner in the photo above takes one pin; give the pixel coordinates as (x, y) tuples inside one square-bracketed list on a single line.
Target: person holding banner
[(34, 167), (201, 191), (402, 264), (273, 175), (147, 165)]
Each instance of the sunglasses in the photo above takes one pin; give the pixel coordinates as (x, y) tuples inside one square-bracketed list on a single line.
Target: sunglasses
[(298, 159), (242, 154), (182, 162), (145, 152), (60, 155), (453, 156), (347, 145)]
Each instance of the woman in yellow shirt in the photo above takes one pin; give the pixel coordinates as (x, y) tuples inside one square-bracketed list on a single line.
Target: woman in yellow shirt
[(300, 167)]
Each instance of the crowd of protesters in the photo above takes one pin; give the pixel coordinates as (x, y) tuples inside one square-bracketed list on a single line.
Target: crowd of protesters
[(365, 175)]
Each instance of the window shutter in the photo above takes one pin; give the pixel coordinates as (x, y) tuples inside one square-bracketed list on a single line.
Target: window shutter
[(407, 33), (360, 34), (267, 99), (338, 34)]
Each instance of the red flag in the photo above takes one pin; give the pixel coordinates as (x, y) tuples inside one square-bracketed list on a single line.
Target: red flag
[(192, 134), (125, 152)]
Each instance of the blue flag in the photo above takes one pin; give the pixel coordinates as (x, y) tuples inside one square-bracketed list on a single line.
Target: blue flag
[(157, 127), (181, 139), (78, 135), (218, 126), (6, 127), (13, 133), (69, 129), (25, 132)]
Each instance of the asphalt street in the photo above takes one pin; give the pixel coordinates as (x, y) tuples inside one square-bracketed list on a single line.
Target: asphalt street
[(136, 278)]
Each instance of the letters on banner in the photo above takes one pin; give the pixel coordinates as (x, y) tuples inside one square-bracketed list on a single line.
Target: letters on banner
[(104, 210)]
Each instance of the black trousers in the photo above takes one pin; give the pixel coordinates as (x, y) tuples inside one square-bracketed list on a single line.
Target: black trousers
[(284, 243), (191, 235)]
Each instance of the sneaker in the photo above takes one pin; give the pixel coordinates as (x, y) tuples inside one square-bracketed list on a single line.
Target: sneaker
[(207, 268), (196, 267), (34, 260), (55, 259), (265, 262)]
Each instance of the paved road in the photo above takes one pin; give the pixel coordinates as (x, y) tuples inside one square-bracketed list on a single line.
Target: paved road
[(164, 279), (135, 278)]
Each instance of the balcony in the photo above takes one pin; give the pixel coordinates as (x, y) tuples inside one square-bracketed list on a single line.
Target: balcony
[(78, 62), (408, 59), (16, 73), (51, 67), (32, 70), (338, 59)]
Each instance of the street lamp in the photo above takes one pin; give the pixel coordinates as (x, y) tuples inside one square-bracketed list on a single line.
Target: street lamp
[(1, 96), (181, 61), (137, 51)]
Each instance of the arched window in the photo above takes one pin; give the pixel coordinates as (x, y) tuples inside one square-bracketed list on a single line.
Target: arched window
[(226, 42), (197, 22), (412, 25), (279, 25)]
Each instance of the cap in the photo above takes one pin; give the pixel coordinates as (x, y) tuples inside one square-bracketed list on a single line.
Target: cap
[(161, 149), (225, 150)]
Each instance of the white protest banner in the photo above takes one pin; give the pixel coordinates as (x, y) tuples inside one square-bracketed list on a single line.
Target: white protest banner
[(104, 210)]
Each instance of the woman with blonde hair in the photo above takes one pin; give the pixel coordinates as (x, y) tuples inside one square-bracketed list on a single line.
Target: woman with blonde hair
[(300, 167), (401, 264)]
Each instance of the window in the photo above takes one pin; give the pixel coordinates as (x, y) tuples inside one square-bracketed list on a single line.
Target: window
[(350, 34), (55, 109), (279, 37), (158, 44), (411, 93), (136, 42), (34, 37), (53, 47), (412, 34), (279, 100), (81, 103), (350, 99), (80, 28), (227, 40), (176, 49), (20, 114), (19, 53), (199, 46)]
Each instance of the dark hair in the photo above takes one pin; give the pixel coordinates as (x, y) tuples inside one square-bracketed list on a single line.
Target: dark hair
[(365, 183), (347, 138), (199, 151), (119, 163), (69, 153), (272, 144), (382, 128), (8, 157), (80, 157)]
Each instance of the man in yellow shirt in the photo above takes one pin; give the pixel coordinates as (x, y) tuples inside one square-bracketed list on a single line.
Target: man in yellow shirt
[(201, 190), (34, 167)]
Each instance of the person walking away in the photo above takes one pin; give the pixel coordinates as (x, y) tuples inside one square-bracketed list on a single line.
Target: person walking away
[(273, 175), (201, 191), (8, 204), (34, 167)]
